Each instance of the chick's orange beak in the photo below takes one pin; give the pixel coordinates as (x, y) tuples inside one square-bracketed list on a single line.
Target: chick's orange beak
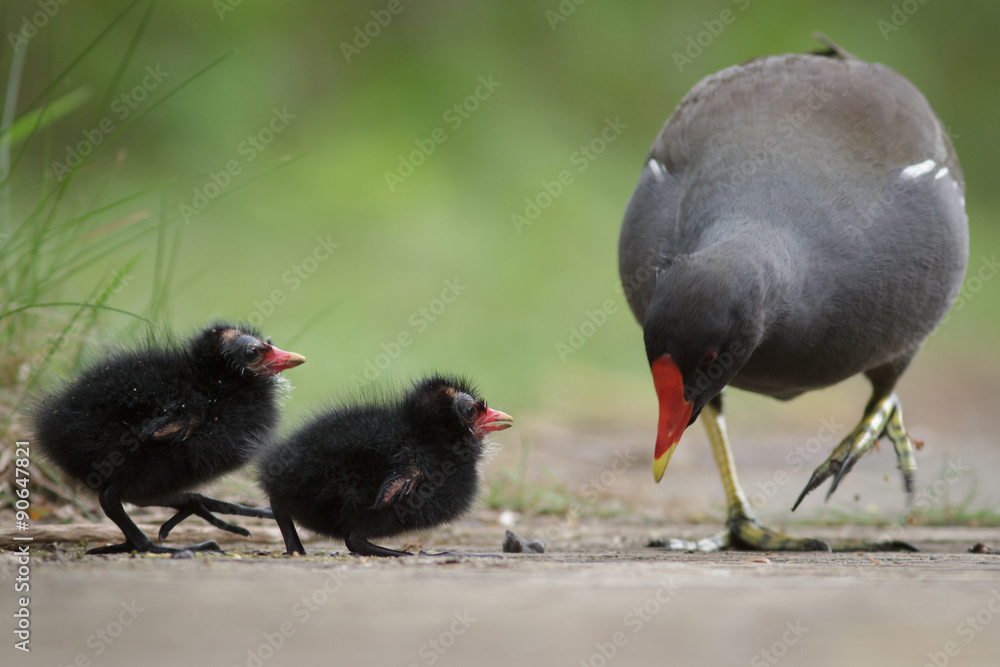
[(277, 360), (675, 412), (493, 420)]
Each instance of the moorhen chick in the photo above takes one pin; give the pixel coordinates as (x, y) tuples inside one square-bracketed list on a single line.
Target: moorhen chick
[(800, 219), (378, 468), (145, 425)]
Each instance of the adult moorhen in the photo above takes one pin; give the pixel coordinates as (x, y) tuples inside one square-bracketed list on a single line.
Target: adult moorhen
[(800, 219)]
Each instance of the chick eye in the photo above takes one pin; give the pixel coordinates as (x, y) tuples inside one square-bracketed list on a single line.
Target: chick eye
[(708, 357), (251, 354), (467, 411)]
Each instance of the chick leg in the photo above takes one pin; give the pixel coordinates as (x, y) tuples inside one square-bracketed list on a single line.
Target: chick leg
[(135, 539), (202, 506), (293, 544), (359, 545), (743, 531)]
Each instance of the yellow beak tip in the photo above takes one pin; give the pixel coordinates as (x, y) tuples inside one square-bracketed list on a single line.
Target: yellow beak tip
[(660, 464)]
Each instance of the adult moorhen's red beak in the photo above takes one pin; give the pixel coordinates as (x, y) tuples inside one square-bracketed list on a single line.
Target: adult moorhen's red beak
[(675, 412)]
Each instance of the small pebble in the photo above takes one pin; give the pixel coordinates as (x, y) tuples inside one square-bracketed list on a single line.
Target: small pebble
[(515, 544), (187, 553)]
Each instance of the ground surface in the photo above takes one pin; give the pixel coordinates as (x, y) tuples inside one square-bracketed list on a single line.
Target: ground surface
[(598, 596), (602, 592)]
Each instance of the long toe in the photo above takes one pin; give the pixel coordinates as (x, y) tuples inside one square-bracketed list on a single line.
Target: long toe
[(127, 547), (853, 546), (860, 441), (360, 546), (172, 522), (122, 548), (194, 506), (715, 542), (743, 533), (223, 507), (820, 475), (223, 525), (748, 533), (211, 545), (455, 554), (904, 446)]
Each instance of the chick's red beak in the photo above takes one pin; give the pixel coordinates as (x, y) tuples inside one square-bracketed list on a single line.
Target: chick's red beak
[(275, 360), (675, 412), (492, 420)]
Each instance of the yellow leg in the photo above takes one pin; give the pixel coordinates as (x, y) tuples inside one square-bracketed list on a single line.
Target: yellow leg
[(715, 425), (905, 449), (744, 531), (884, 418)]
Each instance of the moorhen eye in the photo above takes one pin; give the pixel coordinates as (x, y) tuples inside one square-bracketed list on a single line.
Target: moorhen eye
[(379, 468), (251, 354), (799, 250)]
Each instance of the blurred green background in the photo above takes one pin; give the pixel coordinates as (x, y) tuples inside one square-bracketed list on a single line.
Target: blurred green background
[(313, 126)]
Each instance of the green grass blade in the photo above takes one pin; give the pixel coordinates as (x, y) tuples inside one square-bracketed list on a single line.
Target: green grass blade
[(21, 309), (39, 119), (80, 56)]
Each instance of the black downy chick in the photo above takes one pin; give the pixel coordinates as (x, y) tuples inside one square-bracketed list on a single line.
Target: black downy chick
[(379, 469), (143, 426)]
